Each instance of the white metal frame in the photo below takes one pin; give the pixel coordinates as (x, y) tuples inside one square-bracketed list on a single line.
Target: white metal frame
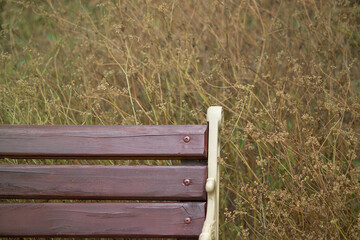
[(210, 229)]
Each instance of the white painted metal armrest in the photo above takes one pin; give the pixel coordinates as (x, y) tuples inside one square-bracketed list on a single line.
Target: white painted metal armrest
[(210, 230)]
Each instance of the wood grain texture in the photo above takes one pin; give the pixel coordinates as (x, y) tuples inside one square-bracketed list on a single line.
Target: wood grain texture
[(106, 142), (101, 219), (102, 182)]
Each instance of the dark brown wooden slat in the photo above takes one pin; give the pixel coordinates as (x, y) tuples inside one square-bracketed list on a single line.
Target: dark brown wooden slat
[(102, 182), (106, 142), (101, 219)]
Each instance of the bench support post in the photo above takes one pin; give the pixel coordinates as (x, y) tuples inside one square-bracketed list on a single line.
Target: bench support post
[(210, 230)]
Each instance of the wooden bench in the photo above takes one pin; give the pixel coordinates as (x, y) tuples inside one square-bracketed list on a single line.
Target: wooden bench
[(186, 195)]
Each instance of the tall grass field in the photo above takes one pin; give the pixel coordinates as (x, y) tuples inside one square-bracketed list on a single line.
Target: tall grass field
[(286, 73)]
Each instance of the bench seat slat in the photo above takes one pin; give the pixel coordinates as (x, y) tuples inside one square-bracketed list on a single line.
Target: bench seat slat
[(101, 219), (102, 182), (105, 142)]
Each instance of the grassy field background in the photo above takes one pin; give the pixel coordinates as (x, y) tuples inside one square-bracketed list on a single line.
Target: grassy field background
[(286, 73)]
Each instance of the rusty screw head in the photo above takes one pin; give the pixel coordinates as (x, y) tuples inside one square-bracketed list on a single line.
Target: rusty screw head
[(187, 182), (187, 220), (186, 139)]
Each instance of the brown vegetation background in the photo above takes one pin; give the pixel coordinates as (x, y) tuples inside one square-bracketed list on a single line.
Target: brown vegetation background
[(286, 73)]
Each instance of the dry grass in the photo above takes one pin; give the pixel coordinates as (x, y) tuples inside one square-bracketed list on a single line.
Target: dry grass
[(286, 73)]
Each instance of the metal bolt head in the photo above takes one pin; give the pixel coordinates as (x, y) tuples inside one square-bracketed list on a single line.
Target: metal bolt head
[(187, 182), (186, 139), (187, 220)]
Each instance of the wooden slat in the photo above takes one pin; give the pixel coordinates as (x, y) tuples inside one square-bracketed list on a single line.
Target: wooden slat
[(101, 219), (102, 182), (110, 142)]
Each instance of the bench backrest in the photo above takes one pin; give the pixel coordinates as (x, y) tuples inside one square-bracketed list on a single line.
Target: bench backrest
[(181, 192)]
